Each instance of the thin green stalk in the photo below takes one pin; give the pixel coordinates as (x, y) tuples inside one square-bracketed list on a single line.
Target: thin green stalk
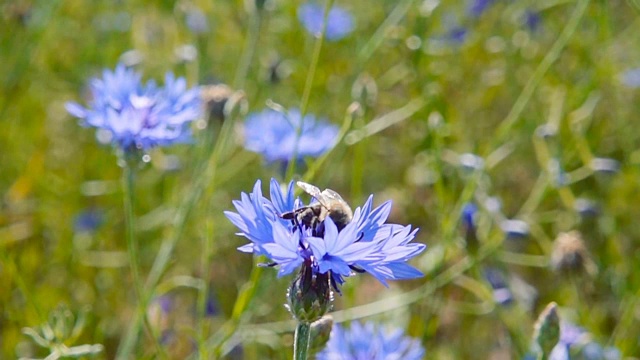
[(128, 181), (203, 294), (204, 173), (301, 342), (251, 41), (304, 102), (242, 303), (10, 267), (401, 9), (551, 57)]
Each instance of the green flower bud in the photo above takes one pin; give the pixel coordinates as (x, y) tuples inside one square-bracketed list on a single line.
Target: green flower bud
[(546, 332), (309, 296)]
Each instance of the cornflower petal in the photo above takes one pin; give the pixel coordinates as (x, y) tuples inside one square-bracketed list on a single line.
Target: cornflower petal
[(282, 202), (251, 219), (284, 251)]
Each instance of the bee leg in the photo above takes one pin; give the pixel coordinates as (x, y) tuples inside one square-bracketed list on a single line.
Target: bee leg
[(271, 264)]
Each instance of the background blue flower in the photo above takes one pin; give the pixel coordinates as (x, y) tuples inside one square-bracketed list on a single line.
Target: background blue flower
[(631, 78), (339, 22), (370, 342), (137, 115), (273, 134)]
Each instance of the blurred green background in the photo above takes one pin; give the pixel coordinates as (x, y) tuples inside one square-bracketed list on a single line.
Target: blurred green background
[(536, 89)]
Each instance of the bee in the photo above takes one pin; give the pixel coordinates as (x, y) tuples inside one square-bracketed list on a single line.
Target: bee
[(330, 203)]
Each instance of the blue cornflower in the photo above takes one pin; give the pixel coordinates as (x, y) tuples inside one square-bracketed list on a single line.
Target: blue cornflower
[(532, 20), (366, 244), (88, 221), (570, 335), (197, 21), (339, 21), (478, 7), (501, 293), (469, 211), (457, 35), (370, 342), (136, 115), (274, 135), (631, 78), (575, 339)]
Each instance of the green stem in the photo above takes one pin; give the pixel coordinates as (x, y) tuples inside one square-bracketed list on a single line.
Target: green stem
[(304, 103), (10, 267), (301, 342), (249, 48), (203, 294), (554, 53), (245, 296), (128, 181), (398, 12)]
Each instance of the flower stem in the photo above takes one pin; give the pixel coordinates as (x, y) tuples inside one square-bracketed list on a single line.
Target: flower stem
[(250, 45), (301, 342), (132, 244), (304, 103), (128, 180)]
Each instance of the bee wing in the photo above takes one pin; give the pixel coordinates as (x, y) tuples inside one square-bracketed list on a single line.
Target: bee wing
[(311, 190), (330, 194)]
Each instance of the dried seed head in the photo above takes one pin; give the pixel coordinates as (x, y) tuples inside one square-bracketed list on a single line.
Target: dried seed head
[(570, 254), (215, 98)]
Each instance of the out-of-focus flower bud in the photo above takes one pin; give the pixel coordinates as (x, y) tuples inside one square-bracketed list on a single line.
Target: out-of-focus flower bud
[(605, 165), (365, 89), (586, 208), (320, 333), (215, 98), (570, 254), (468, 218), (515, 229), (546, 333)]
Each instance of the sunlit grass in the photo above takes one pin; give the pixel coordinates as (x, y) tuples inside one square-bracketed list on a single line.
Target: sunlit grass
[(535, 108)]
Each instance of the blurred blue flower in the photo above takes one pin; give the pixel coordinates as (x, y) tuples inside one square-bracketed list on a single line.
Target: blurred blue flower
[(339, 21), (515, 229), (532, 20), (457, 35), (88, 220), (370, 342), (501, 293), (570, 335), (575, 339), (197, 21), (605, 165), (139, 116), (273, 134), (586, 208), (366, 244), (631, 78), (477, 7), (469, 211)]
